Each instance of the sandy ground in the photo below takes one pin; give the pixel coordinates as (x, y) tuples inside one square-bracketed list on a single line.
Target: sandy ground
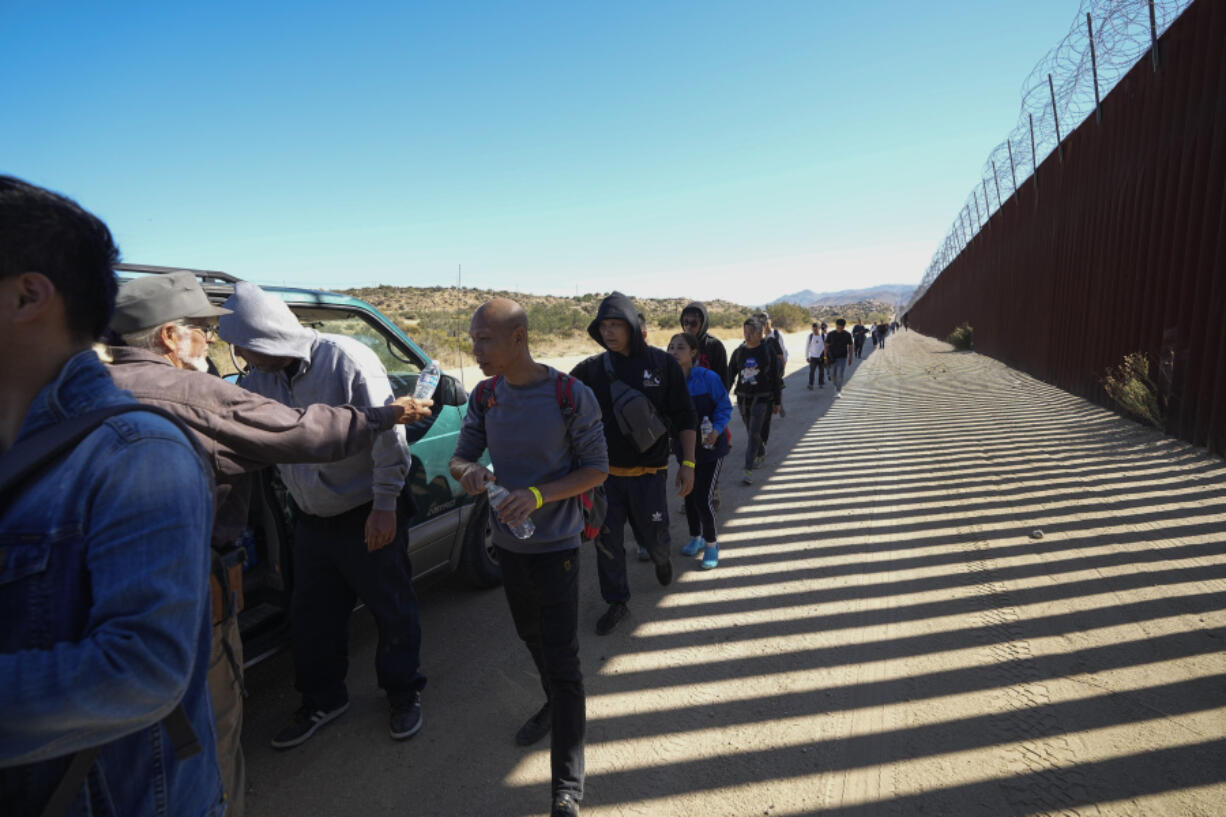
[(887, 633)]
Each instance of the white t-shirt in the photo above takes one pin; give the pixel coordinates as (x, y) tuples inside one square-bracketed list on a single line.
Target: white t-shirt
[(815, 347)]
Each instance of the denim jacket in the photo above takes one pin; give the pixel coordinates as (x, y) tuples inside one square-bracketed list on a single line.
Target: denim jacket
[(103, 613)]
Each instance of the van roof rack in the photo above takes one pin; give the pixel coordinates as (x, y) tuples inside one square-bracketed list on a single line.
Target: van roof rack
[(204, 275)]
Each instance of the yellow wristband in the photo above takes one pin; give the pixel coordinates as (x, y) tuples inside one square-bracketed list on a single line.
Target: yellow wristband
[(687, 463), (540, 500)]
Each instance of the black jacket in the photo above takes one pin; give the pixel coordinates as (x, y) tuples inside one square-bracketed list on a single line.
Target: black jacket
[(648, 369), (711, 352), (758, 372)]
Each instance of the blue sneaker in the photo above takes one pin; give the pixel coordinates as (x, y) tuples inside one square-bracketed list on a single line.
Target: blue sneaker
[(710, 556), (696, 544)]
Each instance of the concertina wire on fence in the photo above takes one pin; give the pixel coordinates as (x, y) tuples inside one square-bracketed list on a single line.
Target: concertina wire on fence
[(1106, 39)]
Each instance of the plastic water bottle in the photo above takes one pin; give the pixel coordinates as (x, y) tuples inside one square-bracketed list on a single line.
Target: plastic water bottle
[(498, 495), (706, 428), (427, 382)]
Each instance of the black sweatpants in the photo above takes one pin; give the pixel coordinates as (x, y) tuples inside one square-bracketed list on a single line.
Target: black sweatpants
[(332, 569), (700, 502), (642, 498), (543, 594)]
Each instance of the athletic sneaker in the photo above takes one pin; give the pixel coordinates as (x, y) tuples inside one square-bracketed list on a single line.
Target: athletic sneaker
[(305, 723), (616, 612), (710, 556), (644, 556), (405, 721), (696, 544), (759, 460), (747, 477)]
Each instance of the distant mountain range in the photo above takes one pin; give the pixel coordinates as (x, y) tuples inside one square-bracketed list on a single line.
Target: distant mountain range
[(887, 293)]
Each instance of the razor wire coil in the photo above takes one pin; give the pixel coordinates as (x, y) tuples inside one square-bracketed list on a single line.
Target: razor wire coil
[(1057, 96)]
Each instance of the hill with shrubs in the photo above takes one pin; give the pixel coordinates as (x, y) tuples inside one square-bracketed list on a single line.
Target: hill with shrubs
[(437, 317)]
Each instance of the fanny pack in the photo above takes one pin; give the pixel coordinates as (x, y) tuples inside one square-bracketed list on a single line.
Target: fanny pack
[(636, 416)]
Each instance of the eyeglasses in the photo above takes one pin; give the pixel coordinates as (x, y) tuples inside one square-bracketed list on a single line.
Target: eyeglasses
[(209, 332)]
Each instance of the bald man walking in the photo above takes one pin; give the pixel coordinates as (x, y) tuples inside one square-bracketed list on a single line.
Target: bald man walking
[(545, 454)]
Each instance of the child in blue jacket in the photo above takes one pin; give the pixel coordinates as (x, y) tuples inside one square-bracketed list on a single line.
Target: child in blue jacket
[(711, 402)]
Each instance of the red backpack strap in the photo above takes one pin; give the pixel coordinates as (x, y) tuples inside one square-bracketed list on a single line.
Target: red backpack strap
[(485, 391), (564, 386)]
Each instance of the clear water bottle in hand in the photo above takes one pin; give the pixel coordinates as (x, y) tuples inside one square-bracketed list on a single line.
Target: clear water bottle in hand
[(498, 495), (705, 429), (427, 382)]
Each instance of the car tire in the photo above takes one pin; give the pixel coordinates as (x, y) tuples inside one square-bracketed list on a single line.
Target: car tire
[(478, 558)]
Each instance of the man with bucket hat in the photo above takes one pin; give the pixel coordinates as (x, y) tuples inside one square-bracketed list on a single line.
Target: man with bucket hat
[(164, 324)]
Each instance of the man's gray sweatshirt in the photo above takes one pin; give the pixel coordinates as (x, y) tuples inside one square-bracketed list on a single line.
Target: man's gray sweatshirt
[(525, 431), (331, 369)]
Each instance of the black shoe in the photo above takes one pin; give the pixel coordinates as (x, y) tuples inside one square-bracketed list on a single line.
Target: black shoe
[(616, 612), (306, 722), (406, 719), (536, 727), (664, 573), (564, 805)]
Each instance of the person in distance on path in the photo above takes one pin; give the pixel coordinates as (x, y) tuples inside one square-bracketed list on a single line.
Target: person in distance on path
[(839, 345), (758, 384), (857, 334), (773, 338), (815, 354), (545, 460), (637, 479)]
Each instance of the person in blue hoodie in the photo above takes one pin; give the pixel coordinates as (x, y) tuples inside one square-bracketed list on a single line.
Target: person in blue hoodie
[(636, 486), (710, 403)]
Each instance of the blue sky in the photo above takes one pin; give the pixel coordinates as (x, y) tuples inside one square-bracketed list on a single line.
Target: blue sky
[(700, 149)]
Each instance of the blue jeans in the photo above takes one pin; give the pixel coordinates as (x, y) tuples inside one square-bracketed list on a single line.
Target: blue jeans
[(543, 594), (332, 569), (838, 370)]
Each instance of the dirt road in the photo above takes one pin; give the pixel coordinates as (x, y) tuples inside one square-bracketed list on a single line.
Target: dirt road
[(954, 591)]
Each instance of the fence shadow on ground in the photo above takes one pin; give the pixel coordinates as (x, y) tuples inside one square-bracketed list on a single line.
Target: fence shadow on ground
[(884, 608)]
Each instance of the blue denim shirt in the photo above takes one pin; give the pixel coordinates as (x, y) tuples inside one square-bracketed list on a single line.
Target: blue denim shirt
[(104, 625)]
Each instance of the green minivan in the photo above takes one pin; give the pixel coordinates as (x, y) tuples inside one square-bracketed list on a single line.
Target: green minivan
[(450, 531)]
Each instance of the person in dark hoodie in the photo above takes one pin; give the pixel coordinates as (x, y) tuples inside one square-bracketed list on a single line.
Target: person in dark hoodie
[(636, 486), (711, 352)]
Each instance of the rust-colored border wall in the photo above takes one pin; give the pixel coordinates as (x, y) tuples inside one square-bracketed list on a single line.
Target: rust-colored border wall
[(1119, 248)]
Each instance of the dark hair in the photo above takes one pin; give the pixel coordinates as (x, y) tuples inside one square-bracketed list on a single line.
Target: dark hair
[(840, 322), (688, 337), (45, 232)]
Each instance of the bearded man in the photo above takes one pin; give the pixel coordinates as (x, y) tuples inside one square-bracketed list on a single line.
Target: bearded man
[(164, 322)]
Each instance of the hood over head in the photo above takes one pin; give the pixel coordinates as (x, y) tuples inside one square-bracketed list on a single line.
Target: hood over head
[(263, 323), (617, 305), (701, 309)]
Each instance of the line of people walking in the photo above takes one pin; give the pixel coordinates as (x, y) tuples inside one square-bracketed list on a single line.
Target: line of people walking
[(148, 640)]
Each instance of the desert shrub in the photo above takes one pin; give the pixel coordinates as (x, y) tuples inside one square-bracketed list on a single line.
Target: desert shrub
[(788, 317), (962, 338), (1128, 384)]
